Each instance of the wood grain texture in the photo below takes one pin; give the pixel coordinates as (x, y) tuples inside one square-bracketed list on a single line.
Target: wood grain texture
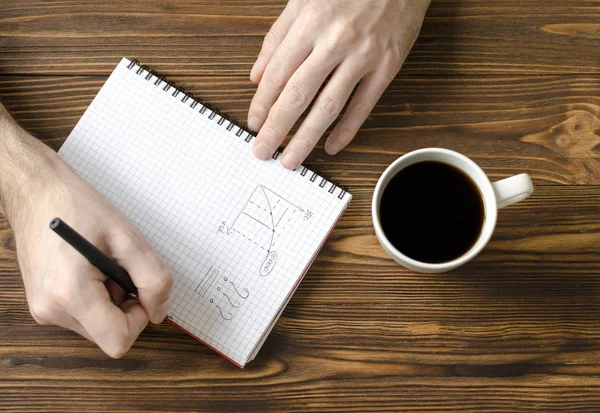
[(516, 330), (515, 85), (224, 37), (548, 126)]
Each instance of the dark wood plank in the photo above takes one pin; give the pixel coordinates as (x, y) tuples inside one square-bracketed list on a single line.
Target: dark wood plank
[(548, 126), (516, 330), (551, 240), (223, 37)]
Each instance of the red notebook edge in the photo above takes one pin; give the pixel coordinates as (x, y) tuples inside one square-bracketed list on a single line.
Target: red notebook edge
[(285, 303), (203, 342)]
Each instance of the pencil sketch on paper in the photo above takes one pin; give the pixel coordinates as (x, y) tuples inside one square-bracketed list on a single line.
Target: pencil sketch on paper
[(222, 292), (265, 217)]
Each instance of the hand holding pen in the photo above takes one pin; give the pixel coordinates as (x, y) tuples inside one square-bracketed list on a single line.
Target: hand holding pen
[(119, 316), (109, 312), (62, 287), (119, 319)]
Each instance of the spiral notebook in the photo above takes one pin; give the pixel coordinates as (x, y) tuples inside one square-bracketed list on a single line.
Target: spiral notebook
[(238, 233)]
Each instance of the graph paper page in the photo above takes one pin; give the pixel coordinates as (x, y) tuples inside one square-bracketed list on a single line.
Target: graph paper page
[(237, 232)]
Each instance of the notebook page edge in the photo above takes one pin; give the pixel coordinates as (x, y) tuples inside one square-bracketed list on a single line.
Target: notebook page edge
[(267, 332), (124, 61)]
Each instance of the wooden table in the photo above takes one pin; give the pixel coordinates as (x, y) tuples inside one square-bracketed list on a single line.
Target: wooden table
[(513, 84)]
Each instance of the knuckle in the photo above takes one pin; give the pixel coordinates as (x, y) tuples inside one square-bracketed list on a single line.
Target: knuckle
[(258, 108), (163, 279), (332, 48), (273, 76), (303, 142), (308, 28), (371, 43), (128, 242), (362, 108), (311, 21), (124, 240), (311, 15), (119, 348), (159, 280), (297, 6), (271, 39), (391, 63), (329, 105), (270, 134), (41, 311), (343, 35), (370, 49), (62, 294), (299, 3), (272, 119), (295, 95)]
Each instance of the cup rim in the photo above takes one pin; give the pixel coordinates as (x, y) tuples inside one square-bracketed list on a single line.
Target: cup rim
[(488, 226)]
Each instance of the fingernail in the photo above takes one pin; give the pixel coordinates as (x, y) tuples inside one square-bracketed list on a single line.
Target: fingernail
[(160, 313), (255, 67), (290, 160), (332, 147), (262, 151), (254, 124)]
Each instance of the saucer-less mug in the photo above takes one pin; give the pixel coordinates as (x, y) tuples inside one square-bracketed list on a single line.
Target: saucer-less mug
[(494, 195)]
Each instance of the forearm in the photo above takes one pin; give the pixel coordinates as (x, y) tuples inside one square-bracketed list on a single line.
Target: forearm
[(36, 185), (20, 158)]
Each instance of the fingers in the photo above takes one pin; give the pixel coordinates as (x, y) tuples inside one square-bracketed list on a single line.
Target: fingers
[(273, 38), (113, 328), (290, 54), (148, 272), (325, 110), (293, 101), (367, 94), (46, 313), (117, 295), (74, 325), (78, 300)]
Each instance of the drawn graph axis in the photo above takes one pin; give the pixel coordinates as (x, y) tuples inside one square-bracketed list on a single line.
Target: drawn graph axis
[(271, 225)]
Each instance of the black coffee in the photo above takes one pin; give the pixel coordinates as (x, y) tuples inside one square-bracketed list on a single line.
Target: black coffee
[(432, 212)]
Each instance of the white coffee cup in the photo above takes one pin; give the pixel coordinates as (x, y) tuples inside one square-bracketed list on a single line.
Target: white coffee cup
[(495, 195)]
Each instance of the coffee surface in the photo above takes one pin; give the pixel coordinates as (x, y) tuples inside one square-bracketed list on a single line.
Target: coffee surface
[(432, 212)]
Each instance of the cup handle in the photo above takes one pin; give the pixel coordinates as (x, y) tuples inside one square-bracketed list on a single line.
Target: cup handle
[(512, 190)]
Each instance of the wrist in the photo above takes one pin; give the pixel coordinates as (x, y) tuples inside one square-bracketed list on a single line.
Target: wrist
[(24, 166)]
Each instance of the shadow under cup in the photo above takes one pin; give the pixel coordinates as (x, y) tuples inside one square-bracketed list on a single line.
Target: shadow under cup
[(467, 169)]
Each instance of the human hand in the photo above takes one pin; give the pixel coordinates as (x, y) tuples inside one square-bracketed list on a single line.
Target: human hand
[(62, 287), (357, 42)]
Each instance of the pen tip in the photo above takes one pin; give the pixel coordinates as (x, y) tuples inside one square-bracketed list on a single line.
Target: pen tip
[(54, 223)]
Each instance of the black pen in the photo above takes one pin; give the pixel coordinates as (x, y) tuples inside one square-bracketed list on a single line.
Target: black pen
[(96, 257)]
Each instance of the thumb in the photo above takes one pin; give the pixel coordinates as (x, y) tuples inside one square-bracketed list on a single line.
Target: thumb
[(148, 272)]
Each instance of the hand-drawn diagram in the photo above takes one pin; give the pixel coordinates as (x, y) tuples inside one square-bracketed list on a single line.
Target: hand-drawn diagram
[(264, 218), (226, 295)]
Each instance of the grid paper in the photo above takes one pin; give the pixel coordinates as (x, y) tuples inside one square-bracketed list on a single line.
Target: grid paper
[(237, 232)]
